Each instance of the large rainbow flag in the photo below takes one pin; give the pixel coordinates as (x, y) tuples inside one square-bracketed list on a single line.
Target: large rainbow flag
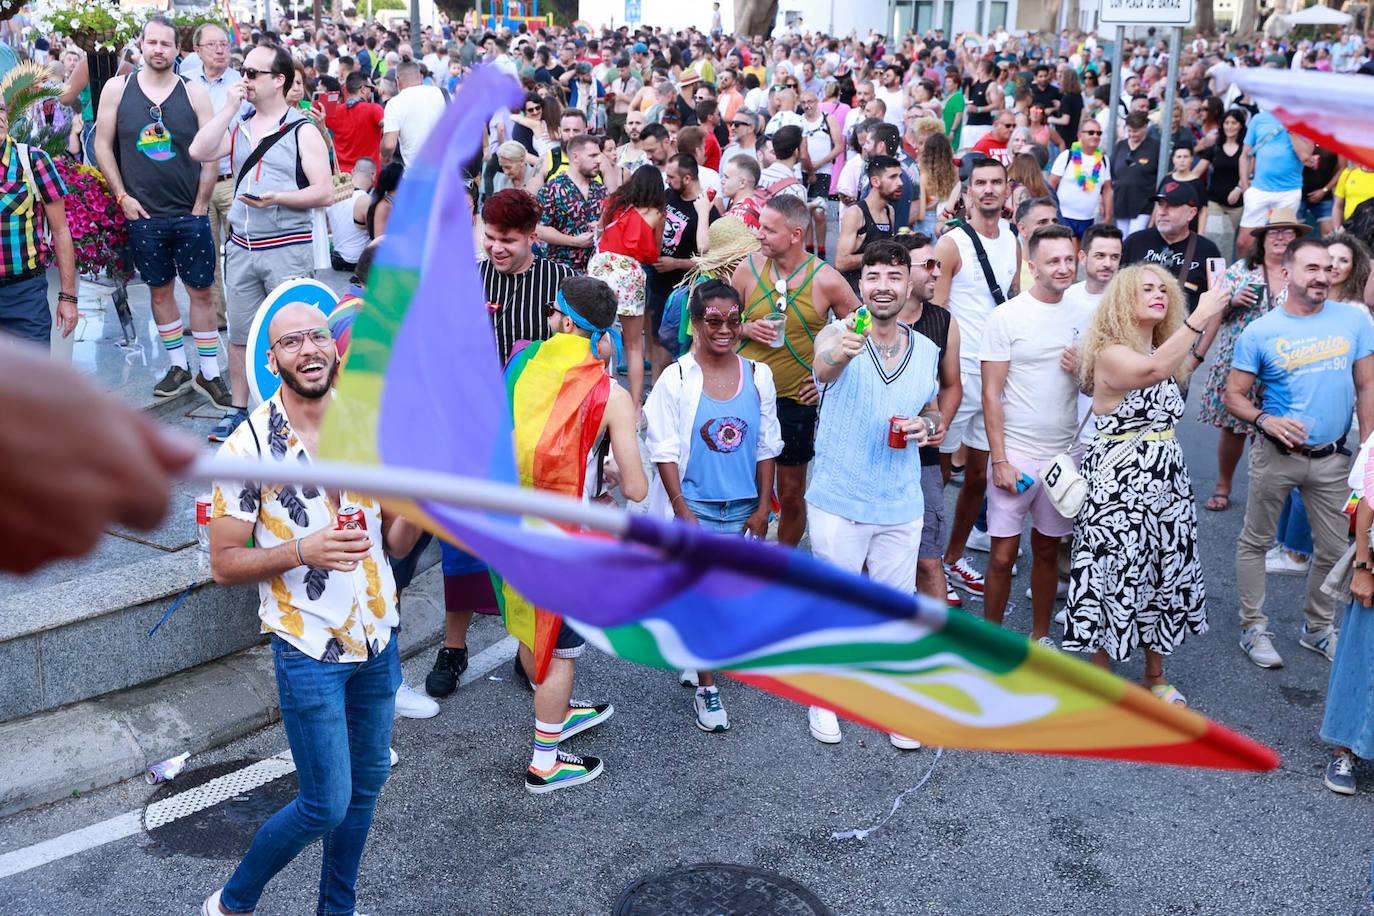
[(1330, 109), (423, 391)]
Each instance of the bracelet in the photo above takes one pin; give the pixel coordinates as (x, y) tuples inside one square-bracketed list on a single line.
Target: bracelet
[(1196, 355), (119, 201), (300, 561), (997, 461), (67, 297), (676, 498), (1190, 327), (1259, 421)]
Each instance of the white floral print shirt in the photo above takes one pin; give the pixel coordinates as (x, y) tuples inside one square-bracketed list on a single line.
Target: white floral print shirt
[(329, 615)]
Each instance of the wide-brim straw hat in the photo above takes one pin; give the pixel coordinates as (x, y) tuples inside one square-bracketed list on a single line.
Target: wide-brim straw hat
[(731, 241), (1285, 218)]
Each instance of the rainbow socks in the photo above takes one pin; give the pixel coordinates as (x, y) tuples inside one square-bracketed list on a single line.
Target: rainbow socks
[(207, 351), (546, 735), (171, 335)]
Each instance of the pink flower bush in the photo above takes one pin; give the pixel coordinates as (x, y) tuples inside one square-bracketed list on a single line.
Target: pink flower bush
[(99, 231)]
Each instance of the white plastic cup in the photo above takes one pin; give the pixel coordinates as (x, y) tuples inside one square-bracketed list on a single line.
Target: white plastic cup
[(779, 322)]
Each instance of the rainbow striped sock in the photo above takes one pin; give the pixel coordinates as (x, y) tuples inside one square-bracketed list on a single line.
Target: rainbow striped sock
[(171, 335), (545, 745), (207, 353)]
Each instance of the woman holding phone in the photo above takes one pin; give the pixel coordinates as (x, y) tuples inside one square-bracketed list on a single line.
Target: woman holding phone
[(1257, 285)]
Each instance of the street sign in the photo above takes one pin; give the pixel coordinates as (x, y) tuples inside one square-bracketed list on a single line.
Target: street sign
[(632, 13), (1146, 12)]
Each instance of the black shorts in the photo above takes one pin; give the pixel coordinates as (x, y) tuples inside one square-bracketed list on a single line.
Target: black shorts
[(798, 422), (818, 188), (569, 644)]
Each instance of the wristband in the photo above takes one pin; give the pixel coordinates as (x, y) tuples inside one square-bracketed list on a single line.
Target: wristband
[(1259, 421), (299, 559), (997, 461), (119, 201)]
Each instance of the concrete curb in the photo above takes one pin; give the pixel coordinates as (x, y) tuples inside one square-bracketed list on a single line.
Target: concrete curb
[(102, 741)]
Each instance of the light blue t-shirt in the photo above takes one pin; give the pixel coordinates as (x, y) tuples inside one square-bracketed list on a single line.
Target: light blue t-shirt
[(1307, 365), (856, 475), (1277, 167), (723, 464)]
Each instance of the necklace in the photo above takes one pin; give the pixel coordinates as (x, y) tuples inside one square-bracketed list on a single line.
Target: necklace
[(1085, 181), (887, 352)]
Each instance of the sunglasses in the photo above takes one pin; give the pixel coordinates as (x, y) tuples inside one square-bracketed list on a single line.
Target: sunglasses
[(715, 324), (291, 343), (251, 74), (531, 109), (550, 310), (740, 124), (927, 264), (1091, 133)]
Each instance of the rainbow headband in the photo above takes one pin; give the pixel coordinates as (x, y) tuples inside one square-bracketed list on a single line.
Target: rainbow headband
[(584, 324)]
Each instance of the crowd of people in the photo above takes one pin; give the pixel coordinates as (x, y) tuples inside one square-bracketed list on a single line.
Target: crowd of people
[(804, 285)]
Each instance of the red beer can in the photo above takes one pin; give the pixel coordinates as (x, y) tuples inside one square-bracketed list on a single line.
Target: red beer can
[(202, 512), (351, 517), (896, 436)]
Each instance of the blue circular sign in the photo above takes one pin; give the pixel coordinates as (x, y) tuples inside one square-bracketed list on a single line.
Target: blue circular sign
[(262, 384)]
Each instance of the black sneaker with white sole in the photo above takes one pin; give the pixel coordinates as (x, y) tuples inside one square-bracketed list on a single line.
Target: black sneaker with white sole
[(215, 390), (569, 770), (176, 381), (449, 666), (582, 716)]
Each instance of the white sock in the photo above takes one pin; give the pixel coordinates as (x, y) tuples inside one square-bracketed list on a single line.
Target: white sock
[(207, 351), (171, 335), (546, 735)]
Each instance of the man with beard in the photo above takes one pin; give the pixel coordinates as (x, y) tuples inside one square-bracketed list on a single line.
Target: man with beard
[(788, 296), (1314, 362), (935, 322), (270, 223), (144, 130), (865, 505), (629, 156), (657, 146), (1030, 406), (337, 663), (871, 218), (1171, 244), (971, 292)]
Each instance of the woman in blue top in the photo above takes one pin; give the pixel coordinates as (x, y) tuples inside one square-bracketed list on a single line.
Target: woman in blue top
[(713, 435)]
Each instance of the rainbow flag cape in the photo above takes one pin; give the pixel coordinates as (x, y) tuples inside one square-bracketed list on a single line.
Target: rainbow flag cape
[(558, 392), (1330, 109), (423, 390), (235, 37)]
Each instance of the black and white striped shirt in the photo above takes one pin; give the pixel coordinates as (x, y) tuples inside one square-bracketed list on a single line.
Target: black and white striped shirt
[(518, 303)]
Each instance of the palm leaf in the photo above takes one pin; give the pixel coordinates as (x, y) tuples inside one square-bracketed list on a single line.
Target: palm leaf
[(26, 85)]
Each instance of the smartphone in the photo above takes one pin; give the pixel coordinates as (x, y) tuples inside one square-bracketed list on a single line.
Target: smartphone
[(248, 195), (1216, 268)]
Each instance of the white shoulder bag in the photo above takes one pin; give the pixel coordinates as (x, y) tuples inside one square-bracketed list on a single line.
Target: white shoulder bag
[(1066, 487)]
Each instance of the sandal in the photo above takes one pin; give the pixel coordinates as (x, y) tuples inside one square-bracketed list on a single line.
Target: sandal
[(1218, 502), (1169, 694)]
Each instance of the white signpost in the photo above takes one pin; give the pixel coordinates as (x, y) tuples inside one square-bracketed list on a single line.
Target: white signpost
[(1146, 12)]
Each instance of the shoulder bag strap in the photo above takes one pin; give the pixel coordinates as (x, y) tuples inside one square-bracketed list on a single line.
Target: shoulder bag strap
[(1187, 263), (998, 297), (267, 143)]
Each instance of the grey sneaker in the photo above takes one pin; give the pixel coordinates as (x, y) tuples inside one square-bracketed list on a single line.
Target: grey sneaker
[(1259, 646), (1322, 642), (215, 390), (227, 424), (1340, 774), (176, 381), (711, 715)]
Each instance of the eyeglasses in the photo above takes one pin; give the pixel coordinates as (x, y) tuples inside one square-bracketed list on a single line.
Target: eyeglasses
[(715, 324), (214, 45), (291, 343)]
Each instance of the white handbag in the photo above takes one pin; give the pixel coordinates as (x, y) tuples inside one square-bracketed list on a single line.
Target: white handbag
[(1066, 487)]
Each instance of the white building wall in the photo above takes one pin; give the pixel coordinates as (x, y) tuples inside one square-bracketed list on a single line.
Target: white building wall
[(667, 14)]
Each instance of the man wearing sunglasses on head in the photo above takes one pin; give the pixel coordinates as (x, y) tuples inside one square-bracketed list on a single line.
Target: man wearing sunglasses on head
[(144, 129), (280, 174)]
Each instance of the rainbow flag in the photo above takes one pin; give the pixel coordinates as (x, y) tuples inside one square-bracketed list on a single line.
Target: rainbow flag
[(235, 37), (558, 392), (423, 390), (1330, 109)]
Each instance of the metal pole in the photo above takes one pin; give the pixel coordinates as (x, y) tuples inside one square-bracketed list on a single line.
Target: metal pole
[(415, 29), (1166, 118), (317, 19), (1114, 103)]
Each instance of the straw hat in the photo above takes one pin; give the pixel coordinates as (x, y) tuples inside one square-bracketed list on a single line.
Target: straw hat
[(1286, 218), (730, 243)]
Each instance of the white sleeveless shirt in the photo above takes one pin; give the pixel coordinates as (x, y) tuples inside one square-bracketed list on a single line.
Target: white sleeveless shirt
[(970, 302)]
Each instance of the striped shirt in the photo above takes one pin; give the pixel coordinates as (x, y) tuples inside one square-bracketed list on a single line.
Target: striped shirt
[(19, 230), (518, 303)]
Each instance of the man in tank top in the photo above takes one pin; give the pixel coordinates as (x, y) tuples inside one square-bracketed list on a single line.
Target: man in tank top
[(965, 289), (864, 504), (281, 173), (872, 217), (144, 129), (788, 294)]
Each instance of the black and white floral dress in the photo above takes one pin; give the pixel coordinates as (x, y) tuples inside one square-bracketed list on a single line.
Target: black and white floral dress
[(1135, 578)]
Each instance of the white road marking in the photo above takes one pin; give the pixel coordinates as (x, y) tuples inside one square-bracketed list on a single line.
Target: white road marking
[(197, 799)]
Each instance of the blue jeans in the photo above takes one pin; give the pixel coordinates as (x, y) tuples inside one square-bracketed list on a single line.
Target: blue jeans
[(337, 717), (24, 309), (726, 517), (1295, 534)]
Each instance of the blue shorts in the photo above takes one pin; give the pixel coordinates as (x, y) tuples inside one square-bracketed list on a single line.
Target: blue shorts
[(167, 247), (457, 562), (1079, 226), (1311, 214), (725, 516), (24, 309)]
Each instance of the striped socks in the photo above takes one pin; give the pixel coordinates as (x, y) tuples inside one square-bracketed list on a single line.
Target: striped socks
[(171, 335), (207, 351), (545, 745)]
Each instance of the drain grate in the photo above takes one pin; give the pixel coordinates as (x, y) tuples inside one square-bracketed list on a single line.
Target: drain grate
[(718, 890), (212, 812)]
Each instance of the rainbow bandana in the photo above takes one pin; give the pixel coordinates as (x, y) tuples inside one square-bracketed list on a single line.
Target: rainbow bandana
[(597, 333)]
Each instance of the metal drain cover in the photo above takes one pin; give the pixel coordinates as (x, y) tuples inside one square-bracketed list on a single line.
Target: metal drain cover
[(718, 890), (212, 812)]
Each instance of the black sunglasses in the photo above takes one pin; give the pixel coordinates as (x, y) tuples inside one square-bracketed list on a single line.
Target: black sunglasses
[(251, 74)]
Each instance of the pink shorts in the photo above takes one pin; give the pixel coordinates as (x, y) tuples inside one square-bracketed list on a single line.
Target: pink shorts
[(1007, 511)]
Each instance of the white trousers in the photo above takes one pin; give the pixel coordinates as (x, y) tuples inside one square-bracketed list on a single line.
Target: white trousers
[(889, 551)]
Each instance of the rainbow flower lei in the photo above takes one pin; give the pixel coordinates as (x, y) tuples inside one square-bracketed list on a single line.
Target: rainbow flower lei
[(1085, 181)]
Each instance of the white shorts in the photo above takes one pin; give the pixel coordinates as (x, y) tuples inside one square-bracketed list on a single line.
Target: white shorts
[(1258, 205), (970, 135), (967, 426), (889, 551)]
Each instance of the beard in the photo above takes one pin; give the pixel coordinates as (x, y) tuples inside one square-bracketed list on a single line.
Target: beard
[(312, 391)]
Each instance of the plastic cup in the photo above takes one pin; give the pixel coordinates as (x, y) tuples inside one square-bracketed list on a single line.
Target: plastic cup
[(779, 322)]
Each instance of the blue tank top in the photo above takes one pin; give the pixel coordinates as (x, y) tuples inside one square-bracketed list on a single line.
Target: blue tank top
[(723, 462)]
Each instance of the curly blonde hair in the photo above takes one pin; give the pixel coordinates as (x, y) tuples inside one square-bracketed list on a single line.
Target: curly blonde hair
[(1114, 321)]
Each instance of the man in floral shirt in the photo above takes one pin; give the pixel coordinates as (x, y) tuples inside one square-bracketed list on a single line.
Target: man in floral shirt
[(572, 205), (329, 601)]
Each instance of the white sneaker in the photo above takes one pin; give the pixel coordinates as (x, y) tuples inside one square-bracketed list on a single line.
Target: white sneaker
[(1322, 642), (211, 905), (395, 757), (1061, 617), (824, 725), (1048, 642), (980, 541), (1258, 645), (414, 705), (903, 743), (688, 679), (1061, 591), (711, 715), (1278, 562)]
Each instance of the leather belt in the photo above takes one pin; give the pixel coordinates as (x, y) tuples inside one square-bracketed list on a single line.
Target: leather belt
[(225, 177), (1302, 451)]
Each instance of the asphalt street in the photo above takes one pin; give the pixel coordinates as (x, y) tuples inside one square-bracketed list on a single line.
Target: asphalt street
[(456, 833)]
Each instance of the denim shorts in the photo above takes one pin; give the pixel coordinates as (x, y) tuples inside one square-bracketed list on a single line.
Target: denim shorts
[(167, 247), (724, 516)]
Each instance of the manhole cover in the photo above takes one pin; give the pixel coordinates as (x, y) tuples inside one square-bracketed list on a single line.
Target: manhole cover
[(718, 890), (212, 812)]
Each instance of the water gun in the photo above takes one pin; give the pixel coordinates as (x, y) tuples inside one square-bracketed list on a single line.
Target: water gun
[(862, 320)]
